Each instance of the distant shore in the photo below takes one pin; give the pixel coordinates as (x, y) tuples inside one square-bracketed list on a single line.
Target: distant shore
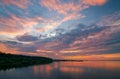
[(68, 60)]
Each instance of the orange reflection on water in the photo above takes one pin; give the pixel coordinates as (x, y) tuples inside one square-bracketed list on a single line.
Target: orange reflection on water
[(71, 70), (56, 65), (36, 69), (48, 69), (42, 69), (76, 67), (93, 64)]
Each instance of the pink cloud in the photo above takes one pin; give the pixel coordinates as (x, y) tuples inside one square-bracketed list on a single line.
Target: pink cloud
[(112, 20), (70, 10), (19, 3), (63, 8), (17, 25)]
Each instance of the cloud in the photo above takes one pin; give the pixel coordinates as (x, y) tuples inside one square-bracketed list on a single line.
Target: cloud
[(95, 2), (19, 3), (112, 20), (7, 49), (48, 26), (67, 11), (70, 10), (57, 5), (95, 57), (85, 42), (19, 34), (94, 41), (27, 38), (16, 25)]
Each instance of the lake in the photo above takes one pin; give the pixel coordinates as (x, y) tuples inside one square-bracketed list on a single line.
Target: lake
[(66, 70)]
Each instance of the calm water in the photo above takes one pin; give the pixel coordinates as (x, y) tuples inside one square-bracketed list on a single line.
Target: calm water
[(67, 70)]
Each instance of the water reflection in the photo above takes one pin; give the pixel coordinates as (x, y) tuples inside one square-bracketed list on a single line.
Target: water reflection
[(67, 70)]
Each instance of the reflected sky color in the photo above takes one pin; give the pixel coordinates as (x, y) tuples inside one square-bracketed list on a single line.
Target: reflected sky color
[(67, 70), (61, 29)]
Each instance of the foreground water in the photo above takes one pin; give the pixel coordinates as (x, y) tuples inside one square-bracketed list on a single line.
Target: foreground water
[(66, 70)]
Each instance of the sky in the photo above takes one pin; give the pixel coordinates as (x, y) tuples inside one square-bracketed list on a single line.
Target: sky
[(61, 29)]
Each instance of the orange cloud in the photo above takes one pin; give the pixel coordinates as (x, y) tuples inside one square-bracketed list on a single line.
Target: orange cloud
[(94, 57), (19, 3), (95, 2), (6, 49)]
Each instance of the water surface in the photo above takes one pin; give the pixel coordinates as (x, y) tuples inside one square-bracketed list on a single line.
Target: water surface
[(66, 70)]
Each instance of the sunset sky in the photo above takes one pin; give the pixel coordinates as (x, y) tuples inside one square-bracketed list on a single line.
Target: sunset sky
[(61, 29)]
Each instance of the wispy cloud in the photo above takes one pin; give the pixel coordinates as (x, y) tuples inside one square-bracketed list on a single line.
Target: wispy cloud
[(23, 4), (17, 25), (70, 10)]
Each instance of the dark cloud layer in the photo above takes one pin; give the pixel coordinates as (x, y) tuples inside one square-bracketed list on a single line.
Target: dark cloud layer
[(27, 38)]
